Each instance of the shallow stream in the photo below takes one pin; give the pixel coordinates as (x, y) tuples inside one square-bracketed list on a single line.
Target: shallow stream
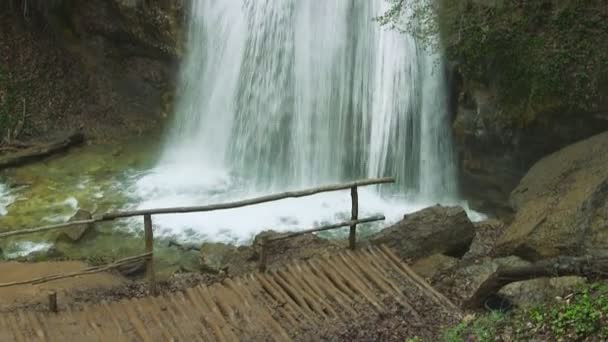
[(102, 178)]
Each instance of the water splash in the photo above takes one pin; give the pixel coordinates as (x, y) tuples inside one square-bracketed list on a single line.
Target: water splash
[(6, 199), (24, 248), (284, 94)]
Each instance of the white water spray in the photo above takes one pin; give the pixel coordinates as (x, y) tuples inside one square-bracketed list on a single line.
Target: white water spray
[(284, 94)]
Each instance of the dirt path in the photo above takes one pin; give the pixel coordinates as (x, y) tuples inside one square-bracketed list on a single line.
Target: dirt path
[(324, 297), (20, 296)]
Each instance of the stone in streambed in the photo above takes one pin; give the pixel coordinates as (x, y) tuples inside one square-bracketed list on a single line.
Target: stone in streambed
[(76, 233), (44, 255)]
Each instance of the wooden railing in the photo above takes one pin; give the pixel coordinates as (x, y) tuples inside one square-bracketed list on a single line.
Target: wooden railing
[(149, 235)]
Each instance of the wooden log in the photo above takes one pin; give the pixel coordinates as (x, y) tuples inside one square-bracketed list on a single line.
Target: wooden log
[(352, 237), (328, 227), (37, 152), (267, 240), (149, 236), (86, 271), (248, 202), (53, 301), (595, 267)]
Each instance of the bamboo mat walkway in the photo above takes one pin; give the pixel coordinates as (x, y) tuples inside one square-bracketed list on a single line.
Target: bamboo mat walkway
[(283, 305)]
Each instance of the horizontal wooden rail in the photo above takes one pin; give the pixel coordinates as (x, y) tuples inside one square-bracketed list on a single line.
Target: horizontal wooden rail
[(248, 202), (328, 227), (212, 207), (352, 234), (86, 271), (46, 228), (148, 232)]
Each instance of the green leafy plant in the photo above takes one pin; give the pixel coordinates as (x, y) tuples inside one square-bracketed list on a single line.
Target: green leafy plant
[(482, 329), (580, 316), (454, 334), (584, 314)]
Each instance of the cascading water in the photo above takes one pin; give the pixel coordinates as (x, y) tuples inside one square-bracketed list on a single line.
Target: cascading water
[(283, 94), (6, 199)]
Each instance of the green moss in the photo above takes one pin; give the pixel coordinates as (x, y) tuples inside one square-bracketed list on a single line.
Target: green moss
[(543, 56)]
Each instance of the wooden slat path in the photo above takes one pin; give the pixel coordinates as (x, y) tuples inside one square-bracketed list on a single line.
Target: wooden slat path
[(282, 305)]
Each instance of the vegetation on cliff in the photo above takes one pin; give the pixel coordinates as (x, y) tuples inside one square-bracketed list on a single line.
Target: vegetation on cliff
[(542, 56)]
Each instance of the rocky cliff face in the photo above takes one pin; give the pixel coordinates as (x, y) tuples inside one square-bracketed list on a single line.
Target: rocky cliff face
[(528, 79), (104, 65), (496, 152)]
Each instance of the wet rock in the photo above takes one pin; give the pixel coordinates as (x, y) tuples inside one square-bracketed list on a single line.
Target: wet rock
[(562, 205), (438, 229), (76, 233), (430, 266), (216, 257), (44, 255)]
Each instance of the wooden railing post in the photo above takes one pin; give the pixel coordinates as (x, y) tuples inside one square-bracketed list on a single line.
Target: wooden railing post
[(352, 237), (53, 301), (263, 254), (149, 237)]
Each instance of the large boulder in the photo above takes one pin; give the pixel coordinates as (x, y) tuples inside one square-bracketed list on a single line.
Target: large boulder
[(496, 150), (562, 204), (434, 230)]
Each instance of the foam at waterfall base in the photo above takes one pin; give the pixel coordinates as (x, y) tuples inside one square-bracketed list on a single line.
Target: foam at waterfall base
[(159, 189), (24, 248)]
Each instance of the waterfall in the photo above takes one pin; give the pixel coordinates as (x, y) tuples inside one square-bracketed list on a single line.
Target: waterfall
[(280, 94)]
